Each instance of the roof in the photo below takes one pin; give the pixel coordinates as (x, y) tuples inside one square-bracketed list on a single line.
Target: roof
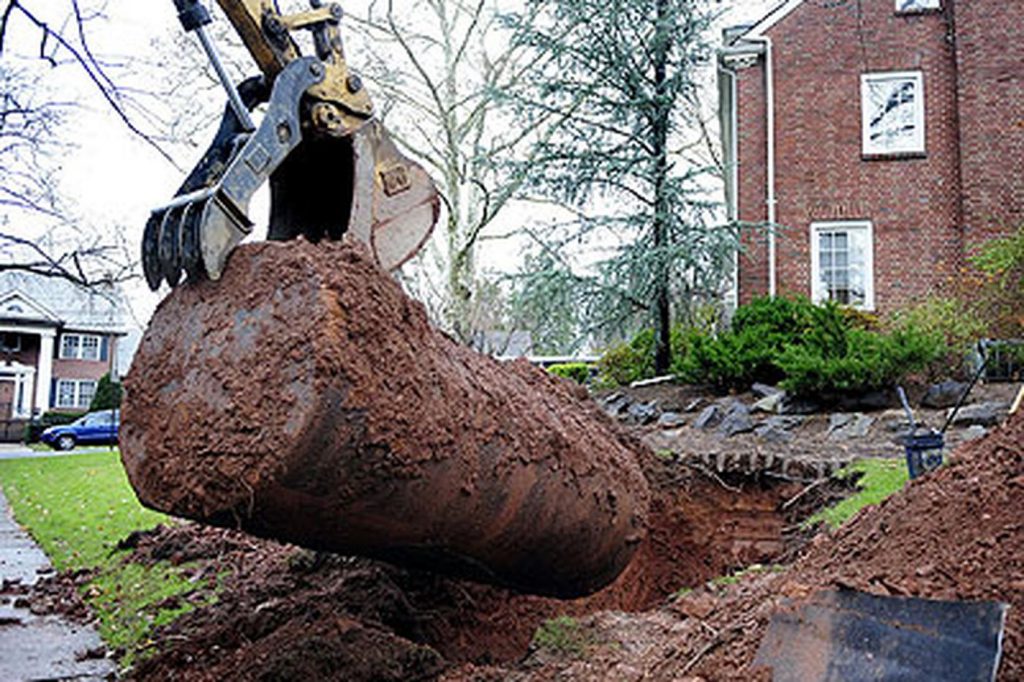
[(53, 301), (762, 25)]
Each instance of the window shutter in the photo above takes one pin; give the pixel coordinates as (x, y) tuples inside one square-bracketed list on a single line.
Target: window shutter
[(53, 392), (104, 348)]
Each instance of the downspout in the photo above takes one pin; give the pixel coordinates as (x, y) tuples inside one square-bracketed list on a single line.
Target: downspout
[(732, 168), (769, 96)]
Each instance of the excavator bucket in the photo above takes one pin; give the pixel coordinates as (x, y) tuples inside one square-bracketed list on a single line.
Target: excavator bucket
[(359, 185), (850, 636)]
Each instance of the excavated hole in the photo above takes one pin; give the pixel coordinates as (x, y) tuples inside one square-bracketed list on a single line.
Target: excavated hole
[(703, 526)]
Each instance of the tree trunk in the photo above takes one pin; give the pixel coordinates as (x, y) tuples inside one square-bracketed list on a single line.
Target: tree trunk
[(305, 398), (662, 311)]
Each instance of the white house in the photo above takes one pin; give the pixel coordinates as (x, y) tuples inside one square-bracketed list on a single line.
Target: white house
[(56, 340)]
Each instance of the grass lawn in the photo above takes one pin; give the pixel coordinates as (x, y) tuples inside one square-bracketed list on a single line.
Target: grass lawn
[(879, 478), (77, 508)]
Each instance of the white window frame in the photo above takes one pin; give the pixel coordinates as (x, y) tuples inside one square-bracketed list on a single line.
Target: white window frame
[(818, 295), (79, 353), (932, 5), (917, 145), (76, 393)]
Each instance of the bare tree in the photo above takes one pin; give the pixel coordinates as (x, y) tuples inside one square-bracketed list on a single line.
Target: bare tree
[(38, 230), (439, 69)]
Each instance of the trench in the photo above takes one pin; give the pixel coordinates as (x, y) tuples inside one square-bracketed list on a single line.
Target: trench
[(701, 527)]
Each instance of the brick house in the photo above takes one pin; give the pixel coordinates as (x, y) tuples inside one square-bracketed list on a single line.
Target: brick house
[(883, 138), (56, 340)]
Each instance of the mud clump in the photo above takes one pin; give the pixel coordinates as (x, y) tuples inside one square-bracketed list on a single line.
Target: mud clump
[(305, 398)]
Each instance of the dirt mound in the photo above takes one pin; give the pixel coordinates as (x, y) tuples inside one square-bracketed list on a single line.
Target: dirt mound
[(305, 398), (957, 534), (274, 595)]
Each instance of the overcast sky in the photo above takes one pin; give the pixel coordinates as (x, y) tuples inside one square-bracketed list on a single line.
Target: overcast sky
[(113, 176)]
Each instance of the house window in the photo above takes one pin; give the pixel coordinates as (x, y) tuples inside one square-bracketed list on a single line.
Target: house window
[(892, 110), (80, 347), (917, 5), (75, 393), (69, 345), (90, 348), (842, 264)]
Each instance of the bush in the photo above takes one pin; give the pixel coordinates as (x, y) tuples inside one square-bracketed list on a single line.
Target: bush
[(750, 350), (574, 371), (868, 361), (35, 428), (108, 394), (809, 349), (956, 322), (624, 363)]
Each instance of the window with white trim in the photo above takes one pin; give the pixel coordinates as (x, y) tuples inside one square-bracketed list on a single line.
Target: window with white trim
[(892, 112), (917, 5), (842, 263), (75, 393), (80, 347)]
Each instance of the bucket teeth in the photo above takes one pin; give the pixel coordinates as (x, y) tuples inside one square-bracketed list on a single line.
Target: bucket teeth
[(170, 245), (191, 248), (196, 231), (151, 250)]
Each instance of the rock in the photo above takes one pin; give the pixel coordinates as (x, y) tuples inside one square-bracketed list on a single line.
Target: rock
[(793, 405), (643, 413), (769, 403), (764, 390), (693, 405), (872, 400), (838, 420), (973, 432), (615, 404), (944, 394), (771, 433), (671, 420), (981, 414), (851, 426), (736, 421), (785, 422), (709, 417)]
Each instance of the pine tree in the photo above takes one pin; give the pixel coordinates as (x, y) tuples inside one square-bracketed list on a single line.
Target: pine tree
[(625, 75), (108, 395)]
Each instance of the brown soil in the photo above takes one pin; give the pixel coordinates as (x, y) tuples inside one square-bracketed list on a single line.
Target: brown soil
[(362, 610), (305, 398), (957, 534)]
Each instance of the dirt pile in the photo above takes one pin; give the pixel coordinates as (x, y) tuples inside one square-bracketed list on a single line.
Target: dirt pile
[(305, 398), (957, 534)]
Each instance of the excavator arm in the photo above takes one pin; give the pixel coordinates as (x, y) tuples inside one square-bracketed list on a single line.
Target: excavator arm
[(333, 169)]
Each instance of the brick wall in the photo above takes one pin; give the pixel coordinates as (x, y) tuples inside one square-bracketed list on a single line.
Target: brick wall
[(990, 64), (820, 52), (751, 144)]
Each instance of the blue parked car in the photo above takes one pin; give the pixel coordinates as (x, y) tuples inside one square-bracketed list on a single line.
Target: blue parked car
[(95, 428)]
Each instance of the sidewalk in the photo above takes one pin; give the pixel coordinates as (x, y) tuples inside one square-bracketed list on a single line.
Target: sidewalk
[(21, 451), (37, 647)]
